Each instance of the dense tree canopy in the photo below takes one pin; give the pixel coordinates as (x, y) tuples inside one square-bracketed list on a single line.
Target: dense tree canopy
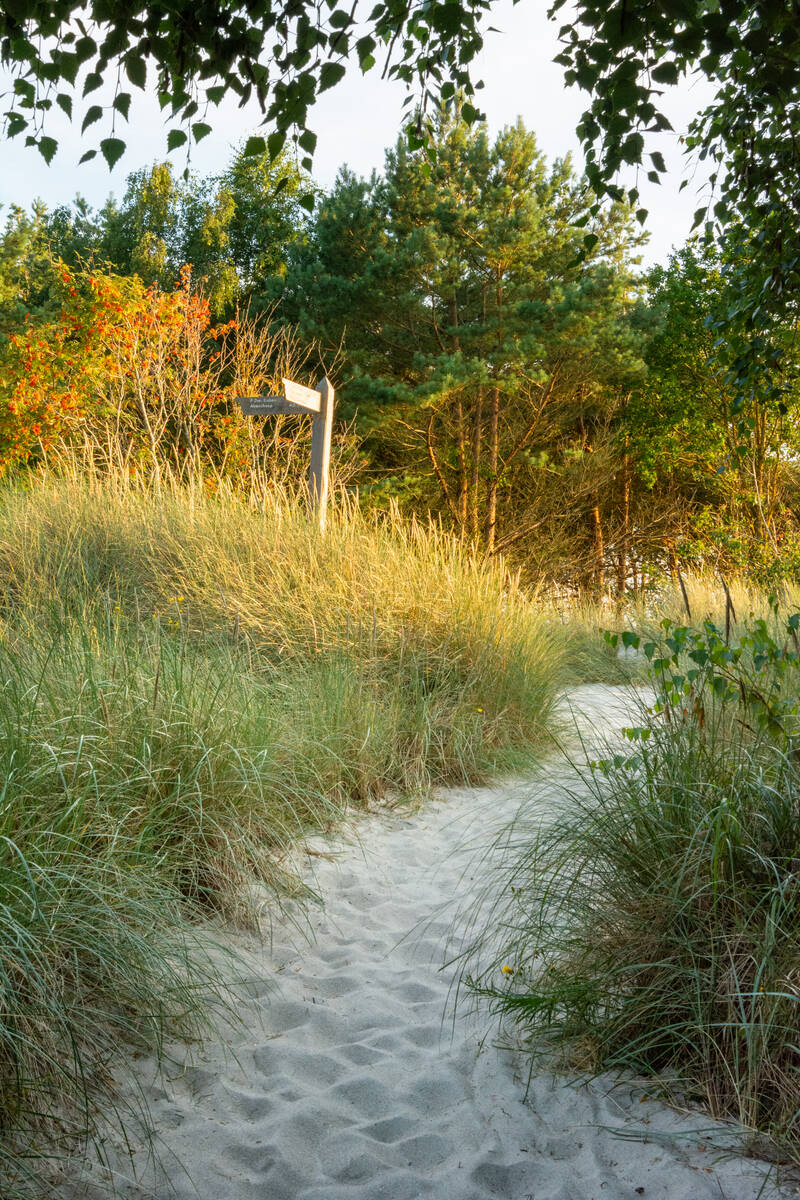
[(235, 229), (624, 55)]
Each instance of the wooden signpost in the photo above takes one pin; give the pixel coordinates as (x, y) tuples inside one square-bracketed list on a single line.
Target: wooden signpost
[(319, 405)]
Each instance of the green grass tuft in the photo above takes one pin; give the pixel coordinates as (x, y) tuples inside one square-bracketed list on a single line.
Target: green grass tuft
[(653, 924)]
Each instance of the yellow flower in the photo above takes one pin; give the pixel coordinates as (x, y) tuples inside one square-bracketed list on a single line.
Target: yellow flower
[(507, 970), (480, 710)]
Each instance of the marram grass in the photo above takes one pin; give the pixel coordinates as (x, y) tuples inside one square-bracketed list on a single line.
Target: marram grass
[(188, 684), (652, 924)]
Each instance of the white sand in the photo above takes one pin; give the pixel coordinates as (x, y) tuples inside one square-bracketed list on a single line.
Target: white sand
[(348, 1086)]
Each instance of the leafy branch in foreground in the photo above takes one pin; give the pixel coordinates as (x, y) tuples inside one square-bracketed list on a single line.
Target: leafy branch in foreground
[(692, 669), (283, 56)]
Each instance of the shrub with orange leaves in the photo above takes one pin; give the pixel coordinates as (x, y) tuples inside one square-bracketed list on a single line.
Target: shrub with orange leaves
[(48, 374), (137, 379)]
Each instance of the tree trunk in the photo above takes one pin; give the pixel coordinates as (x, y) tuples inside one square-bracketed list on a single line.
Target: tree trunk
[(625, 515), (672, 559), (477, 434), (490, 530), (463, 479), (597, 539)]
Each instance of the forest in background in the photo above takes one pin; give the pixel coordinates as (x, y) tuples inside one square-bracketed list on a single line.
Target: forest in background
[(532, 389)]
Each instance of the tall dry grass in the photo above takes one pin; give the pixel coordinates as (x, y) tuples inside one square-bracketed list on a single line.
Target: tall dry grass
[(189, 684)]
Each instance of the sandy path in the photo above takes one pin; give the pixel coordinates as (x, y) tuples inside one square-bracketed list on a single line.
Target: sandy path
[(347, 1085)]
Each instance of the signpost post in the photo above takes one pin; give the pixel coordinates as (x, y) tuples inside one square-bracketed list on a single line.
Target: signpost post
[(319, 405)]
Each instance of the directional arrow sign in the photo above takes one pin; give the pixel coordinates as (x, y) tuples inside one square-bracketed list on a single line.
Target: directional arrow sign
[(296, 399), (319, 404), (304, 397), (265, 406)]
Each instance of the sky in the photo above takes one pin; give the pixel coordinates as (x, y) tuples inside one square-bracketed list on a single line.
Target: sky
[(359, 118)]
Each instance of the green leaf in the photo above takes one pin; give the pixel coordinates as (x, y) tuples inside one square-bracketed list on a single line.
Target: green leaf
[(90, 154), (64, 102), (330, 75), (308, 141), (85, 48), (306, 201), (122, 103), (93, 114), (136, 70), (25, 89), (275, 143), (112, 150), (92, 82), (175, 138), (16, 124), (364, 49), (200, 130), (254, 146), (632, 147), (47, 148), (665, 73)]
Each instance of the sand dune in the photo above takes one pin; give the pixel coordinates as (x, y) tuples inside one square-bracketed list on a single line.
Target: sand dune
[(348, 1084)]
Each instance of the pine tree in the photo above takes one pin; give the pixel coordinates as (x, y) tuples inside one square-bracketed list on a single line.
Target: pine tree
[(472, 331)]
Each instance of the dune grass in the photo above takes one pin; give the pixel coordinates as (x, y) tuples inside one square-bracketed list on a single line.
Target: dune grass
[(653, 926), (188, 685)]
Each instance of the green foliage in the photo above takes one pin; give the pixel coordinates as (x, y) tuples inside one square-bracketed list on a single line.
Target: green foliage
[(235, 230), (268, 216), (732, 464), (199, 54), (29, 278), (753, 676), (474, 339), (748, 49)]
